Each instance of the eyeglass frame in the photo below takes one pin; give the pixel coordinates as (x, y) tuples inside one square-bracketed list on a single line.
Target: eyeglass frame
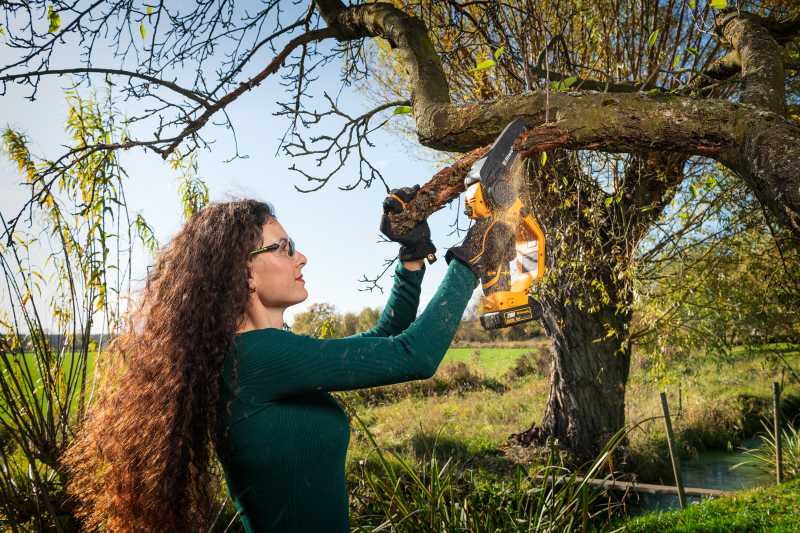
[(276, 246)]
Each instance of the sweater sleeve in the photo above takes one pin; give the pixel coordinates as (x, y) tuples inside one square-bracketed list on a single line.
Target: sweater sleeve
[(274, 363), (401, 307)]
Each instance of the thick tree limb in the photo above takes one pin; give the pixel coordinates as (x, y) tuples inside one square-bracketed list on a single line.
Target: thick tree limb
[(784, 30), (407, 35), (758, 144), (761, 58), (763, 148)]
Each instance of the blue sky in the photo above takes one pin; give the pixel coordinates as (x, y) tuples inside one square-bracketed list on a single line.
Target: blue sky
[(336, 230)]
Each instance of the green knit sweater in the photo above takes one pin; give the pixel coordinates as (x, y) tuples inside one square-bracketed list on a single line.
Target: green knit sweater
[(288, 437)]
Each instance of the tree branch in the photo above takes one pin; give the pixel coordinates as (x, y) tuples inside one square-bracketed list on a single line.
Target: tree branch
[(192, 95), (783, 31), (243, 87), (742, 137), (441, 189), (761, 59), (407, 35)]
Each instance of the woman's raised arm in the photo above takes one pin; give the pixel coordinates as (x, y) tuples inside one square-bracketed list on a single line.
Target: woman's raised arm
[(275, 363)]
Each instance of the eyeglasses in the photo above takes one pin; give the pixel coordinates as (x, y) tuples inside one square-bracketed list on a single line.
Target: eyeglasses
[(283, 245)]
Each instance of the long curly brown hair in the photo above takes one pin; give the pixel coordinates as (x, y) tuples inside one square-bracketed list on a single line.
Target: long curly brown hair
[(143, 458)]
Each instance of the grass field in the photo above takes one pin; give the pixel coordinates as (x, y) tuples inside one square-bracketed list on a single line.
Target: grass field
[(493, 362), (773, 509), (708, 416), (472, 425), (719, 404)]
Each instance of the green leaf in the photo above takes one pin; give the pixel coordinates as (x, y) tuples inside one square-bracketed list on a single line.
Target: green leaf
[(711, 181), (54, 19), (608, 201), (653, 92), (677, 61), (569, 82), (483, 65), (693, 190), (719, 4), (142, 30), (652, 39), (402, 110), (499, 52), (543, 158), (149, 10), (693, 4), (692, 50)]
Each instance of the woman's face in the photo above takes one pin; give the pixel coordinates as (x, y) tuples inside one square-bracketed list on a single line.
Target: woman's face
[(275, 276)]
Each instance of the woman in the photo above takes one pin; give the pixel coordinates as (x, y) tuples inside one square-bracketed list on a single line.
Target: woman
[(206, 361)]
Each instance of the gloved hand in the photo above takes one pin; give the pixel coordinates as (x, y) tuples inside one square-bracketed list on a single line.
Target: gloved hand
[(486, 250), (416, 244)]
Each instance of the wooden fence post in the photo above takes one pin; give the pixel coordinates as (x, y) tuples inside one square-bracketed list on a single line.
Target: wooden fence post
[(676, 469), (776, 407)]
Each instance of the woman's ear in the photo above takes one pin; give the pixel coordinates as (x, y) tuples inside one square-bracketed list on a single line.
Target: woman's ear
[(250, 284)]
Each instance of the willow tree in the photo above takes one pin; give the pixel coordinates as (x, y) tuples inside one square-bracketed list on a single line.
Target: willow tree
[(623, 99)]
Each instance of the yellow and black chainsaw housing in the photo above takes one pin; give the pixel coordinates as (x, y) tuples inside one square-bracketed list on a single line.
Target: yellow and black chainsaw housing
[(507, 314), (492, 193)]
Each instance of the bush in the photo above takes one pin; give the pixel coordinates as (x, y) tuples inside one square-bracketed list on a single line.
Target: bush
[(536, 362), (456, 377), (720, 426), (763, 457)]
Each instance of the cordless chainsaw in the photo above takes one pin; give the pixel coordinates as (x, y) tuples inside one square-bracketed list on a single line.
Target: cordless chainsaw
[(491, 192)]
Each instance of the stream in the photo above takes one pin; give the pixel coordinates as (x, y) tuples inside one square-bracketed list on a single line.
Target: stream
[(710, 470)]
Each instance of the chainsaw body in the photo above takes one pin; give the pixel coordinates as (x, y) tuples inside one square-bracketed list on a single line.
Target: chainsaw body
[(491, 193)]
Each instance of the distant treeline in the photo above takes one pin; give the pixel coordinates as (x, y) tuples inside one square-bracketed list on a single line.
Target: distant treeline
[(324, 320), (59, 342), (470, 331)]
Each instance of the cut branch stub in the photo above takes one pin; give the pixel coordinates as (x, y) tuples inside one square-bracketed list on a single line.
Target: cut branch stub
[(443, 187)]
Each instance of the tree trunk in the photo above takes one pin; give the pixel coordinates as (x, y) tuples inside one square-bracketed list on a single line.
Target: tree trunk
[(588, 376)]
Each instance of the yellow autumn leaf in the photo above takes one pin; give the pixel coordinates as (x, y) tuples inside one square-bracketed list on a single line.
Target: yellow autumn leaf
[(652, 40), (54, 20), (483, 65)]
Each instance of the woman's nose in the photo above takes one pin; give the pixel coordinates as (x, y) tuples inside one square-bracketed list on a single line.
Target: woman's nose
[(301, 259)]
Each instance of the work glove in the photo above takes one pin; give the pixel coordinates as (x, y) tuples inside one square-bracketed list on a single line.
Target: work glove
[(415, 244), (487, 250)]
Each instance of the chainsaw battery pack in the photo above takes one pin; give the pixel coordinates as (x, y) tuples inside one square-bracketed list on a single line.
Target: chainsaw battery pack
[(512, 316)]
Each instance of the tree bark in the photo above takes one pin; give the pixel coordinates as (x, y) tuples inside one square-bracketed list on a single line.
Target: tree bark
[(589, 374), (587, 311)]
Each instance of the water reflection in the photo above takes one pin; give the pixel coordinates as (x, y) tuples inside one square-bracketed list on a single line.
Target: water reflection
[(712, 470), (709, 470)]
